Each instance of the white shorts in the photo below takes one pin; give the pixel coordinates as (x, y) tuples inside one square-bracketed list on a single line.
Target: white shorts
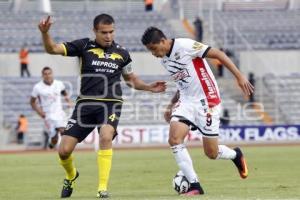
[(51, 126), (198, 116)]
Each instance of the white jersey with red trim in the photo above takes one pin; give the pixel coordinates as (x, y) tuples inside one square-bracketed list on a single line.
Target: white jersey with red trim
[(190, 71)]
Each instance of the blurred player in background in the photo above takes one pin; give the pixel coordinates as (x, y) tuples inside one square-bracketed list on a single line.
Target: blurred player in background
[(46, 101), (197, 103), (100, 101)]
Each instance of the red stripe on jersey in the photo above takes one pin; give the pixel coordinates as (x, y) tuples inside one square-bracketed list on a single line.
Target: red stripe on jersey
[(207, 83)]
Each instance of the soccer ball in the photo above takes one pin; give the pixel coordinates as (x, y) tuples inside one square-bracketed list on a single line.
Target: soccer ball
[(180, 183)]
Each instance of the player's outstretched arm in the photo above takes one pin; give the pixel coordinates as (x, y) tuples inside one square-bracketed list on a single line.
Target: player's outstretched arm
[(243, 83), (50, 46), (135, 82)]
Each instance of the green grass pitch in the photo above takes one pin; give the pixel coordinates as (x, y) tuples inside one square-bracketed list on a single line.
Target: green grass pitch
[(274, 173)]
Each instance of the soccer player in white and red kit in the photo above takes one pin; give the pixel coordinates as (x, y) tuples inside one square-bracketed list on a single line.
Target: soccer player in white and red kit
[(197, 103), (46, 101)]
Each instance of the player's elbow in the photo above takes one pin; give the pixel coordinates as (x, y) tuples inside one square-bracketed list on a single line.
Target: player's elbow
[(53, 49), (50, 50), (131, 81)]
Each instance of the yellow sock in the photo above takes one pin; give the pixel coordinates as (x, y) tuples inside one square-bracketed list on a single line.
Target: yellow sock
[(69, 167), (104, 160)]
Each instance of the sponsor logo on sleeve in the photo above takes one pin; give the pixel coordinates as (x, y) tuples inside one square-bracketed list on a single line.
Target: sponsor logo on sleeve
[(197, 46)]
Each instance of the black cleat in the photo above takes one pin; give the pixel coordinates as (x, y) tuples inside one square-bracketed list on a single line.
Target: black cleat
[(240, 163), (102, 194), (195, 189), (68, 187)]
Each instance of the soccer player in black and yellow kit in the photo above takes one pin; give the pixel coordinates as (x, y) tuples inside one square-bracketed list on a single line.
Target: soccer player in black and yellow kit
[(99, 104)]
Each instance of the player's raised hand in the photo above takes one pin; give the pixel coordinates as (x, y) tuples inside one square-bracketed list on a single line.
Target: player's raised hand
[(245, 85), (45, 24), (158, 86)]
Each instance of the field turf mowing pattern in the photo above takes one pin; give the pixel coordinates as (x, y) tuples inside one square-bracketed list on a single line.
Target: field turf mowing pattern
[(140, 174)]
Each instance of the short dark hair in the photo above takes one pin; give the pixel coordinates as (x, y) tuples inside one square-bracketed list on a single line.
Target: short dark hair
[(152, 35), (46, 68), (103, 19)]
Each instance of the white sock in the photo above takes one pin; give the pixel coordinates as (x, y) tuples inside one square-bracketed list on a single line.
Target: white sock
[(184, 162), (225, 153)]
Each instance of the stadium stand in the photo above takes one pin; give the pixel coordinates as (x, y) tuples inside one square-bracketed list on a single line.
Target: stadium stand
[(239, 24), (73, 21), (261, 29), (255, 5), (233, 26), (285, 92)]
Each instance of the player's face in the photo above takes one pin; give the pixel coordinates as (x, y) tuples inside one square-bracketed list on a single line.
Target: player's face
[(105, 34), (158, 49), (47, 76)]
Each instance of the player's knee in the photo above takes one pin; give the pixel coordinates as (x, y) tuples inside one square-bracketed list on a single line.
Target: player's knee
[(106, 134), (211, 153), (174, 141), (64, 152), (105, 138)]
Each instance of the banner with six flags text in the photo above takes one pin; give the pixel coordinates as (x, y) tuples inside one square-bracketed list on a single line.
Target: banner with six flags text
[(157, 135)]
